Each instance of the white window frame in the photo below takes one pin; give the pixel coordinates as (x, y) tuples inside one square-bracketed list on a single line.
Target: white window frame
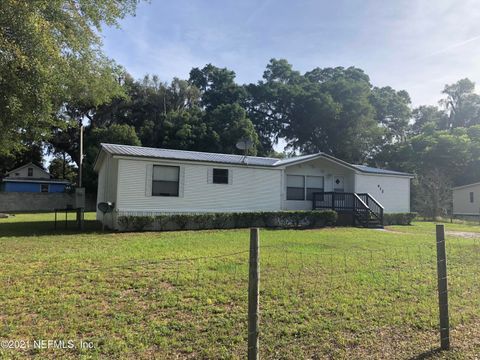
[(178, 180)]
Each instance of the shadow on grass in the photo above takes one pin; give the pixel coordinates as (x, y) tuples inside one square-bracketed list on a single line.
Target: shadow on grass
[(35, 228), (427, 354)]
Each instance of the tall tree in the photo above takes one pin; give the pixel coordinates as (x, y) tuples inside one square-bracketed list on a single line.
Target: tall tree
[(433, 196), (51, 57), (114, 134), (270, 102), (32, 152), (323, 110), (428, 118), (462, 104), (217, 86), (392, 111), (61, 168)]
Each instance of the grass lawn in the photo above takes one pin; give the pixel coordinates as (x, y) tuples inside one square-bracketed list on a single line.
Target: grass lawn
[(328, 293)]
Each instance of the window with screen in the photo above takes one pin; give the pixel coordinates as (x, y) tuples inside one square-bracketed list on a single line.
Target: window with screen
[(295, 187), (30, 171), (165, 180), (314, 185), (44, 187), (471, 197), (220, 176)]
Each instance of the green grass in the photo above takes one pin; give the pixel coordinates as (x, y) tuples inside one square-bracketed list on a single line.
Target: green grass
[(329, 293)]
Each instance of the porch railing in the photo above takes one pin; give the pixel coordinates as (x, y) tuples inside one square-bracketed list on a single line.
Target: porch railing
[(365, 208)]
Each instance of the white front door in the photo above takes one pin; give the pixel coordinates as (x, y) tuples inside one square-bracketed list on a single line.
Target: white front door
[(338, 183)]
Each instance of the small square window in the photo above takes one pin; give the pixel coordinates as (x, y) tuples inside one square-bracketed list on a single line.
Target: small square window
[(44, 188), (30, 171), (220, 176), (471, 197)]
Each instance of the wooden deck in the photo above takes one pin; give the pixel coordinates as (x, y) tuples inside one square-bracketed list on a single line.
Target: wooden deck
[(366, 211)]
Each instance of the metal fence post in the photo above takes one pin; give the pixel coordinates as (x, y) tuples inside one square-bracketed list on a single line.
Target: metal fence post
[(253, 293), (442, 288)]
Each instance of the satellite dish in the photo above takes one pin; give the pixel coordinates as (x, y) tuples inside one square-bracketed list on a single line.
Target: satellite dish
[(105, 207), (244, 144)]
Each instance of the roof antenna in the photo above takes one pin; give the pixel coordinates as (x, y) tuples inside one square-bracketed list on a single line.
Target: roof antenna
[(244, 144)]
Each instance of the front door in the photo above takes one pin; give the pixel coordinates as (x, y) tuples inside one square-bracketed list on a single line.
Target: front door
[(338, 187), (338, 184)]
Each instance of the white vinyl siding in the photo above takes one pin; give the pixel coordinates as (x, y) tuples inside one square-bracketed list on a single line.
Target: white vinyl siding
[(254, 189), (393, 192), (462, 200), (107, 187)]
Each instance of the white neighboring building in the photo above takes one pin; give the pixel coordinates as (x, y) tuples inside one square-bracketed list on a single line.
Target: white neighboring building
[(149, 181), (466, 201)]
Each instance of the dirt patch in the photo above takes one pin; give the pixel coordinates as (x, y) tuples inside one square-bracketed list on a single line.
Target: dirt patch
[(463, 234), (392, 231)]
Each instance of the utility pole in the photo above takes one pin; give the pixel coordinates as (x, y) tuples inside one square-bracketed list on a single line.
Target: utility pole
[(80, 192), (80, 162)]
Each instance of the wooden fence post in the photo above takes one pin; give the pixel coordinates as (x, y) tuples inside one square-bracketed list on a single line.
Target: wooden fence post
[(442, 288), (253, 293)]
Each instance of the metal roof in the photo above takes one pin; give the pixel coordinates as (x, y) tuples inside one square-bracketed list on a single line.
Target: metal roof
[(187, 155), (465, 186), (373, 170), (139, 151)]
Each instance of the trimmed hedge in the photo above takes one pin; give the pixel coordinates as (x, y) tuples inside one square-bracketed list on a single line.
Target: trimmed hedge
[(398, 218), (273, 219)]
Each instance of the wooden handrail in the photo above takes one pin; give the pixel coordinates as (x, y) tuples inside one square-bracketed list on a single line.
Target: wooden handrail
[(374, 200)]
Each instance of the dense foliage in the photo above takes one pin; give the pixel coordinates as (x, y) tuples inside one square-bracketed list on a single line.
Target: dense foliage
[(273, 219)]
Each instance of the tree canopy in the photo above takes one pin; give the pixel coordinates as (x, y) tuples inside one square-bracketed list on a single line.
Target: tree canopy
[(51, 62)]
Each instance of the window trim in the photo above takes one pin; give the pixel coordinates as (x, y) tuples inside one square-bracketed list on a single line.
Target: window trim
[(221, 176), (178, 181), (41, 188), (30, 172)]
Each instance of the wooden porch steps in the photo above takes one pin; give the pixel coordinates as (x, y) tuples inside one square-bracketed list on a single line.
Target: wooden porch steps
[(366, 211)]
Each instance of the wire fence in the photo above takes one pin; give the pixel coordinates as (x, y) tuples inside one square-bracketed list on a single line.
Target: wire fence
[(315, 302)]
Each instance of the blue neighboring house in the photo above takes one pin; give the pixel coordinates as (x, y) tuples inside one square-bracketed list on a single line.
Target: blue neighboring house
[(32, 178)]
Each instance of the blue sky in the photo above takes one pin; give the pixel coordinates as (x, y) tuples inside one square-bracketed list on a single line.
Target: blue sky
[(413, 45)]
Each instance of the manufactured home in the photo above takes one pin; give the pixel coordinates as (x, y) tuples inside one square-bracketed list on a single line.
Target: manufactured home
[(466, 201), (148, 181)]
